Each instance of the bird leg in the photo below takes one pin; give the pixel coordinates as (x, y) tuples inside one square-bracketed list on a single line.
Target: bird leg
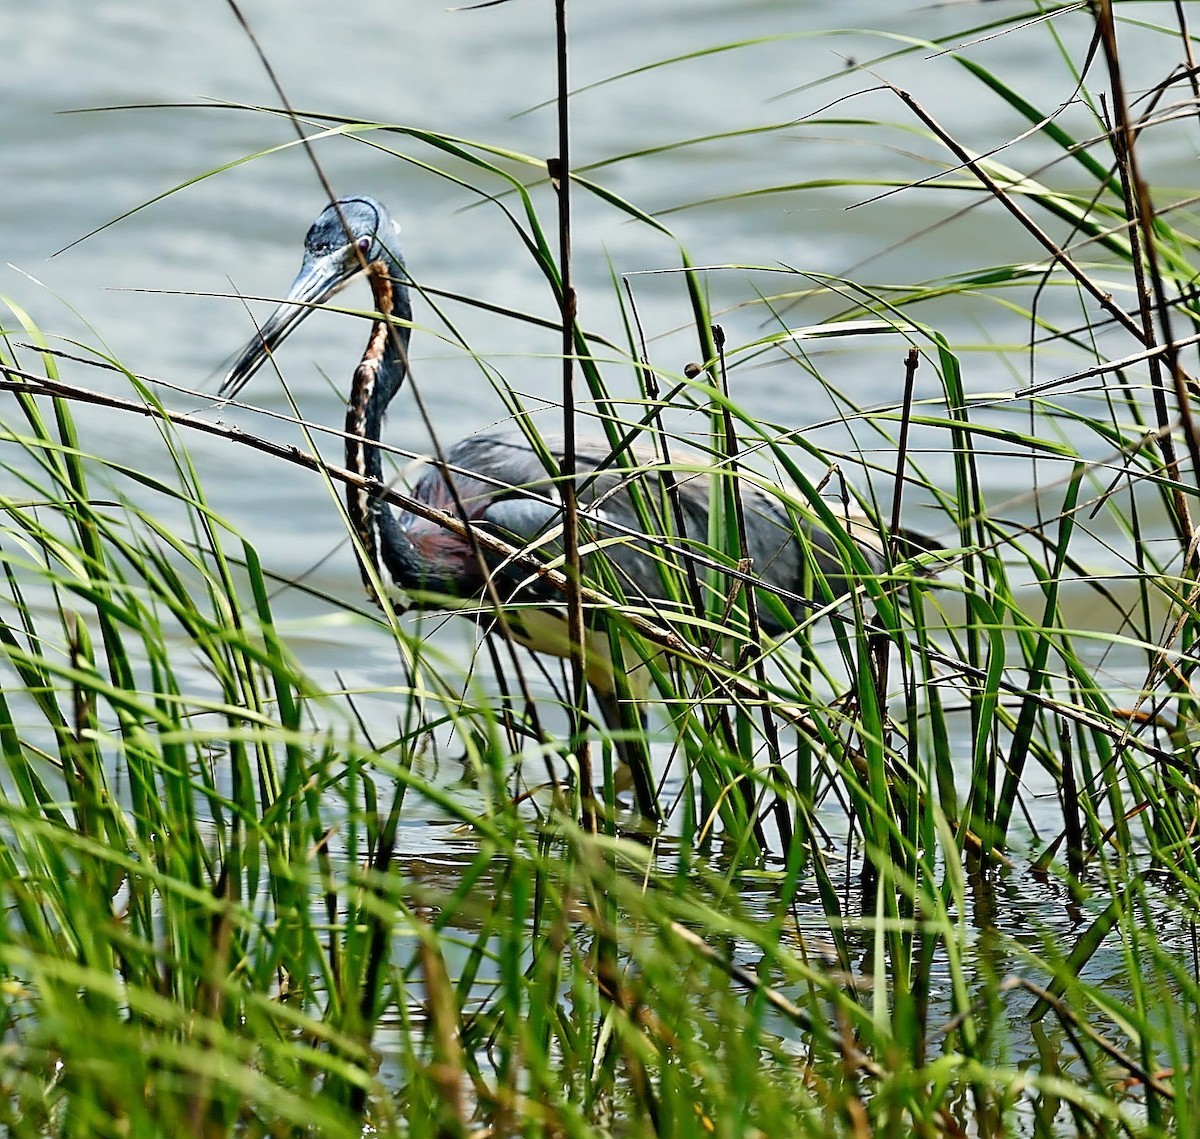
[(621, 696)]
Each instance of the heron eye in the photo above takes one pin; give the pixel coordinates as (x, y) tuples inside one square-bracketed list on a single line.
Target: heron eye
[(364, 243)]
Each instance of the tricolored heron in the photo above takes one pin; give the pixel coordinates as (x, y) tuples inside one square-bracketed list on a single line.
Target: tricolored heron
[(501, 483)]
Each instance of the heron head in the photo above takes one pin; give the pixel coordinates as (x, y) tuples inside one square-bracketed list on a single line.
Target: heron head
[(348, 237)]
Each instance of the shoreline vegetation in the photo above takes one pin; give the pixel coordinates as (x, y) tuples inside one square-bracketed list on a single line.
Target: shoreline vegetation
[(213, 927)]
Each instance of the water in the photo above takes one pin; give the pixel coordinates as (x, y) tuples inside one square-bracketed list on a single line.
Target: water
[(474, 75), (471, 74), (143, 282)]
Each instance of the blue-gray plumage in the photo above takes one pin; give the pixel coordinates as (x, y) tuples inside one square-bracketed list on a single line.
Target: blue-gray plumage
[(503, 484)]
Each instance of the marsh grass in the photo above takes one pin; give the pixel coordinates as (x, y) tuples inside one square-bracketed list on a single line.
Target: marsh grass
[(213, 927)]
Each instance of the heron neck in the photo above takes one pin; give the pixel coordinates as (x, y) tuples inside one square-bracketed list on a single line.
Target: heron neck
[(377, 379)]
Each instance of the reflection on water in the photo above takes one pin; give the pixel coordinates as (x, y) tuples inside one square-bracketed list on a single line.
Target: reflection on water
[(1013, 917)]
